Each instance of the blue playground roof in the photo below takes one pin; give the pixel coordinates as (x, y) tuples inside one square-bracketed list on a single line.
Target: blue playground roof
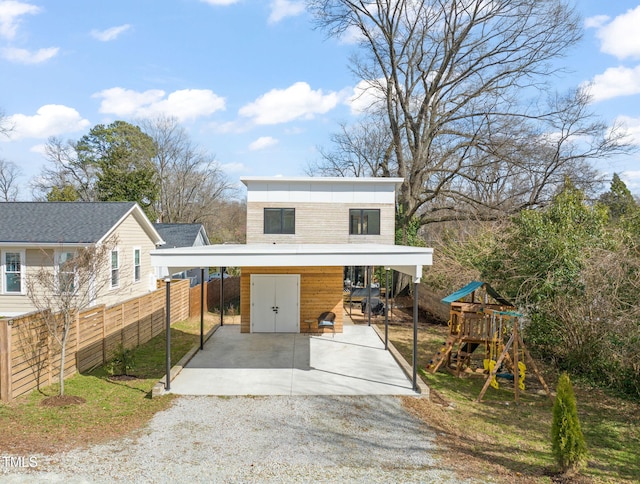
[(472, 286)]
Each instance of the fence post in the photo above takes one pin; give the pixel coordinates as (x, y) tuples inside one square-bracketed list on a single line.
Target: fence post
[(104, 334), (5, 361)]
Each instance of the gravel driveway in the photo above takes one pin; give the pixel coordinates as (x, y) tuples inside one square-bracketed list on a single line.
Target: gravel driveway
[(258, 439)]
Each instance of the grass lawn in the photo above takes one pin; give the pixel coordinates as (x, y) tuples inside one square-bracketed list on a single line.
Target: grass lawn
[(511, 442), (111, 409)]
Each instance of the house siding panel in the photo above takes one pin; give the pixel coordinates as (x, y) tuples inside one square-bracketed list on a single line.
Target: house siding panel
[(129, 235), (319, 223)]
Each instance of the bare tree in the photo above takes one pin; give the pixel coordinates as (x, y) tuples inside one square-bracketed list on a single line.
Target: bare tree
[(9, 174), (459, 86), (191, 180), (5, 126), (65, 285), (65, 173)]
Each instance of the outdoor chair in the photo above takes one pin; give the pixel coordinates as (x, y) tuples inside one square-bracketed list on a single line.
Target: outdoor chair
[(327, 320)]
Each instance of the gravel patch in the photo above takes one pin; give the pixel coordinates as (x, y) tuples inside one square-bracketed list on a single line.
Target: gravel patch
[(258, 439)]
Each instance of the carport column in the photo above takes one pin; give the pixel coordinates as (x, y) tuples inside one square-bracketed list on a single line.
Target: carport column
[(369, 295), (386, 308), (201, 308), (415, 336), (167, 281), (221, 296)]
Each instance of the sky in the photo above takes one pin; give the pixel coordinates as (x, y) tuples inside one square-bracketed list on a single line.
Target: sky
[(252, 82)]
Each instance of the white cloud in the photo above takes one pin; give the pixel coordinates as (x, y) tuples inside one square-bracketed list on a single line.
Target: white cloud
[(621, 36), (10, 13), (49, 120), (364, 96), (110, 34), (614, 82), (632, 127), (184, 104), (220, 2), (24, 56), (233, 167), (262, 143), (596, 22), (283, 105), (284, 8)]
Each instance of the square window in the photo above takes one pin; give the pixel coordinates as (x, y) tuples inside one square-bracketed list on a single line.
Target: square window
[(279, 221), (364, 221)]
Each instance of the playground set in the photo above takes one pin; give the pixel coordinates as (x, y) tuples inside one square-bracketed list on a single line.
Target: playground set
[(481, 318)]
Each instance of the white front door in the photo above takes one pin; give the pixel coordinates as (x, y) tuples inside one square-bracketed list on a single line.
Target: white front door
[(275, 303)]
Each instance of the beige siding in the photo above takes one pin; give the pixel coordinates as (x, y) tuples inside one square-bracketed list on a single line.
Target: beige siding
[(129, 235), (319, 223), (20, 303), (320, 290)]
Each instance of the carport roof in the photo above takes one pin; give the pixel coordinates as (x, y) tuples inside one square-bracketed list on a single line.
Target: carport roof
[(405, 259)]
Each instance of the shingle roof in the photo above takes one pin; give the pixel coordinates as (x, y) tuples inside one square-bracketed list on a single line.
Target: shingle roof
[(179, 235), (59, 222)]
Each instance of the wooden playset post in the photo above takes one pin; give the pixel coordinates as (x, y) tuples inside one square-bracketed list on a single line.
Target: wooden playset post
[(516, 368)]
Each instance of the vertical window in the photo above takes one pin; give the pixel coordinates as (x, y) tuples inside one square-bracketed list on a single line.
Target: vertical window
[(279, 220), (13, 265), (66, 273), (364, 221), (136, 265), (115, 269)]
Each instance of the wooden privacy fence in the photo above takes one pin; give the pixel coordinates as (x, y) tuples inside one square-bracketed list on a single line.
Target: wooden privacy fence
[(212, 294), (30, 359)]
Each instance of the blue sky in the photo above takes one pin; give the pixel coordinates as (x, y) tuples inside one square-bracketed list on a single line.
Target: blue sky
[(251, 80)]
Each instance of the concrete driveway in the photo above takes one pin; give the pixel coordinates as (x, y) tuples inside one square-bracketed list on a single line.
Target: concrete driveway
[(350, 363)]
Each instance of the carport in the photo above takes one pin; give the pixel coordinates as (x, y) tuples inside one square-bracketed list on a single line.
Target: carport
[(405, 259)]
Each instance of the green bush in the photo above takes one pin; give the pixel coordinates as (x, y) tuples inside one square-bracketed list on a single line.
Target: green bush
[(568, 444), (122, 363)]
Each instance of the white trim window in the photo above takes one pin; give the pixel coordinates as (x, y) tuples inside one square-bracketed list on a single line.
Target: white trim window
[(13, 271), (115, 268), (66, 274), (137, 268)]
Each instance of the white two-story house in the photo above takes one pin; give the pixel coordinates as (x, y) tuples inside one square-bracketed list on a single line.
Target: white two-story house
[(301, 234)]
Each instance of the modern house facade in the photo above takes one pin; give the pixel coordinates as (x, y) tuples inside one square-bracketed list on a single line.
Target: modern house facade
[(301, 233), (36, 235)]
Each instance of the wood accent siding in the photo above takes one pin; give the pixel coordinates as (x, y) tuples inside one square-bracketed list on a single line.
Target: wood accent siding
[(319, 223), (320, 290)]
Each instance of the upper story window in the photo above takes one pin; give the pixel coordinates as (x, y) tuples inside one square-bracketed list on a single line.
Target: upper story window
[(115, 268), (136, 265), (364, 221), (13, 272), (279, 220)]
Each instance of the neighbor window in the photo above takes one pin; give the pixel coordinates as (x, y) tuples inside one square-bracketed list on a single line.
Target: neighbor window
[(136, 265), (13, 268), (115, 268), (279, 221), (66, 272), (364, 221)]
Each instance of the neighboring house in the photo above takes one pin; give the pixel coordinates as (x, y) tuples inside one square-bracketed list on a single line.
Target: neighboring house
[(182, 235), (301, 234), (40, 234)]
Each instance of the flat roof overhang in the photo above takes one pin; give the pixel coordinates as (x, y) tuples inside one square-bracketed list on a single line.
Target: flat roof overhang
[(406, 259)]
